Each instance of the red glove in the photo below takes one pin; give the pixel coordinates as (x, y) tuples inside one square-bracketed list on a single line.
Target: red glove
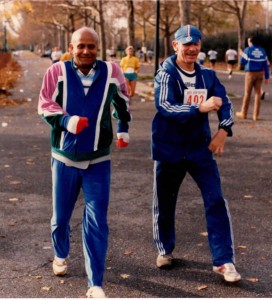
[(81, 124), (76, 124), (122, 140), (121, 144)]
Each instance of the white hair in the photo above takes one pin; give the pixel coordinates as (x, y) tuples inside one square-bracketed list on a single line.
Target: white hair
[(79, 31)]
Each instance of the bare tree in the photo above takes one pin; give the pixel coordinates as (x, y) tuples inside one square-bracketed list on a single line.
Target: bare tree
[(102, 30), (58, 18), (89, 13), (237, 8), (185, 11), (168, 21), (144, 11)]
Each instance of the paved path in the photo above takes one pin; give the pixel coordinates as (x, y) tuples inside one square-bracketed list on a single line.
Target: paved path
[(25, 210)]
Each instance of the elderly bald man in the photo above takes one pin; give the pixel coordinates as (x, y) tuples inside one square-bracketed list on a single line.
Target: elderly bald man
[(75, 100)]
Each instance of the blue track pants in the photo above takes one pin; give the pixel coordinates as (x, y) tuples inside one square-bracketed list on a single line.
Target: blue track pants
[(95, 184), (167, 180)]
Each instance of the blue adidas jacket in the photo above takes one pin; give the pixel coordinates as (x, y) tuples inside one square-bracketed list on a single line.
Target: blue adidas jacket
[(179, 130), (62, 96), (254, 59)]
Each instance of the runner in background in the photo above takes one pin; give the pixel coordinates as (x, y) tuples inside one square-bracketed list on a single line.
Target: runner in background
[(56, 55), (231, 59), (201, 57), (212, 57), (130, 66)]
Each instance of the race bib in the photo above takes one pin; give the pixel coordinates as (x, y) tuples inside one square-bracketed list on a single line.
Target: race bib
[(195, 96), (130, 70)]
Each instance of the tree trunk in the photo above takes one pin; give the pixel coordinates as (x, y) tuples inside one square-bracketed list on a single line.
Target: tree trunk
[(102, 31), (184, 11), (130, 29), (241, 30), (144, 40), (167, 43)]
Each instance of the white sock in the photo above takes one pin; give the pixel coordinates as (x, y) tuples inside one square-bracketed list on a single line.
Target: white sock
[(59, 260)]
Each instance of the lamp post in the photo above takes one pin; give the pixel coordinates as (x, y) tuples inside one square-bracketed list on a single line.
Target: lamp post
[(157, 36)]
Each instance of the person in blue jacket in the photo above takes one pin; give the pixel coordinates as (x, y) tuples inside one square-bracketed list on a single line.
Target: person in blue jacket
[(256, 66), (75, 100), (185, 94)]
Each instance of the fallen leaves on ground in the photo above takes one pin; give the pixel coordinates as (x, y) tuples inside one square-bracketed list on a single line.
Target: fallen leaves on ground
[(46, 288), (8, 78), (124, 276), (13, 199), (202, 287), (4, 102), (252, 279), (128, 252), (248, 196), (30, 161), (14, 182), (11, 223)]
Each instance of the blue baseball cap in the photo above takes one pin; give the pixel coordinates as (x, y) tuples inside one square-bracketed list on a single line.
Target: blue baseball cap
[(188, 34)]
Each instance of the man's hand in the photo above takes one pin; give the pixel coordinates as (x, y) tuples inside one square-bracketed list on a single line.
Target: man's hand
[(81, 124), (76, 124), (122, 139), (212, 104), (218, 142)]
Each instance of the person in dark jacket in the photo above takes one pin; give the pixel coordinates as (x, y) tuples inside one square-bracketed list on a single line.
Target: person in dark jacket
[(256, 66), (75, 100), (185, 94)]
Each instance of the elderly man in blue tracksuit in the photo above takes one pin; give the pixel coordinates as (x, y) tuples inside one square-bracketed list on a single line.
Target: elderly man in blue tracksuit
[(76, 100), (185, 94)]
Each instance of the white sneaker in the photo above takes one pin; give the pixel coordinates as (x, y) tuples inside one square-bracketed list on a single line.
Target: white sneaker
[(95, 292), (59, 266), (228, 271), (165, 261)]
